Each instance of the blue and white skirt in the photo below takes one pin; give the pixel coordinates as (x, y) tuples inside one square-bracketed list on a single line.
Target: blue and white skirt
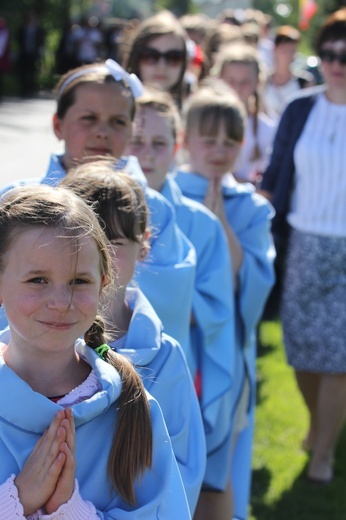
[(313, 310)]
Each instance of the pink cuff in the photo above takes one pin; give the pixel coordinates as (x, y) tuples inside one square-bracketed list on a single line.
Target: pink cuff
[(10, 506), (75, 509)]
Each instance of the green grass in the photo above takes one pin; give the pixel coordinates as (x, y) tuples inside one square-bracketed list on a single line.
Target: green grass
[(279, 487)]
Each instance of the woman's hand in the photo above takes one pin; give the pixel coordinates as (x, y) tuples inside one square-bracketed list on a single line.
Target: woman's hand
[(38, 479), (65, 483)]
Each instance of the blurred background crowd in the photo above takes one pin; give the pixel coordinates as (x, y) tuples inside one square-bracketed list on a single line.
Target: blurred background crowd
[(40, 40)]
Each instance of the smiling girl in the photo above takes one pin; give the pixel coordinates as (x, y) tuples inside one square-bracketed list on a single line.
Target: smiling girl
[(60, 401)]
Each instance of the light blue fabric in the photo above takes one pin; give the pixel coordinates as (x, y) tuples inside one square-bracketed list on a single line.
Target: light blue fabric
[(3, 318), (161, 363), (169, 268), (212, 352), (250, 216), (25, 415)]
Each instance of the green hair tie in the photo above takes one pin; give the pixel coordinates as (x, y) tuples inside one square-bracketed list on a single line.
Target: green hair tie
[(102, 349)]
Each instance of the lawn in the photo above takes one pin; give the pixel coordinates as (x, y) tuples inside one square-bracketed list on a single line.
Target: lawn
[(279, 487)]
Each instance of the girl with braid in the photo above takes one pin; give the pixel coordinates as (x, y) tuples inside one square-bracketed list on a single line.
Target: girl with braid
[(79, 436)]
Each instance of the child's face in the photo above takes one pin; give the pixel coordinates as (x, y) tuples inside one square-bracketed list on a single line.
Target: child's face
[(211, 156), (153, 143), (50, 295), (98, 123), (159, 71), (285, 52), (124, 254), (242, 78)]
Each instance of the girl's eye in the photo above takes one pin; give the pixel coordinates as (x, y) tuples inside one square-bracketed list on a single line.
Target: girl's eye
[(88, 117), (159, 144), (37, 280), (79, 281), (117, 242), (118, 121)]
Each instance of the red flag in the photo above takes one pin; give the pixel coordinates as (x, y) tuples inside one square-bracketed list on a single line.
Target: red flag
[(307, 10)]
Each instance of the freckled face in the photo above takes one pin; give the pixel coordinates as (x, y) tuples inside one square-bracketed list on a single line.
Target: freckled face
[(98, 123), (50, 294)]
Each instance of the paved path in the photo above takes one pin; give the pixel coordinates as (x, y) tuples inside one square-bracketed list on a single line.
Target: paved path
[(26, 138)]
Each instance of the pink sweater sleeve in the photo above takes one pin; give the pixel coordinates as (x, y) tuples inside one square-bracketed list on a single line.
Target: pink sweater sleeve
[(10, 506), (75, 509)]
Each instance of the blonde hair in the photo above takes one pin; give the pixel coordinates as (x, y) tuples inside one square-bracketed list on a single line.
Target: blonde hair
[(212, 104), (243, 54)]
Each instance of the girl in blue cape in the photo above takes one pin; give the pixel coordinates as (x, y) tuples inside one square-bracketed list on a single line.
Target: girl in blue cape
[(214, 129), (211, 356), (132, 322), (95, 108), (79, 436)]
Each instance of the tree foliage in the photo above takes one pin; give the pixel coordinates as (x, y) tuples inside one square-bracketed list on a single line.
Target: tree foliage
[(325, 7)]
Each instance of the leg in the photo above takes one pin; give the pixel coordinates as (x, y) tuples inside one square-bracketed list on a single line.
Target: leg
[(215, 505), (309, 384), (331, 414)]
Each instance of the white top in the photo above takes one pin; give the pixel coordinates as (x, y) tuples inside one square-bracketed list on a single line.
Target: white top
[(318, 203), (246, 167), (276, 97)]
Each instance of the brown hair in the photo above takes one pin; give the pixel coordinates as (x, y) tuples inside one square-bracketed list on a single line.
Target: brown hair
[(218, 36), (286, 34), (163, 103), (157, 25), (213, 103), (94, 73), (61, 209), (117, 199), (333, 29)]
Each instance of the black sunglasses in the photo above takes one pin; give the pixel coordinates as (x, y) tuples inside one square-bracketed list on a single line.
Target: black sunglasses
[(330, 56), (151, 56)]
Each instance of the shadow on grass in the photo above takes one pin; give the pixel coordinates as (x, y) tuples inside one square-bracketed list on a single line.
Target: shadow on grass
[(303, 501)]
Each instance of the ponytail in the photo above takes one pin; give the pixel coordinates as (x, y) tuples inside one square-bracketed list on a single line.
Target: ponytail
[(132, 446), (256, 150)]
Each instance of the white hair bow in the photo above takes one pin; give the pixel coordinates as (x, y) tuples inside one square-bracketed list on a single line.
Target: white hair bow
[(115, 70), (119, 73)]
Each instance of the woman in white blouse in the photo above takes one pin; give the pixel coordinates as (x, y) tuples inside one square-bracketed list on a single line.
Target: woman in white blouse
[(306, 182)]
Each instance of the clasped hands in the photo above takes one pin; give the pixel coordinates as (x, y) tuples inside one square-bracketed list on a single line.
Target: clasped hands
[(48, 475)]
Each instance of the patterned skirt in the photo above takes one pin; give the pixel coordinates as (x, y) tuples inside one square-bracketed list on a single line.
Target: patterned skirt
[(313, 310)]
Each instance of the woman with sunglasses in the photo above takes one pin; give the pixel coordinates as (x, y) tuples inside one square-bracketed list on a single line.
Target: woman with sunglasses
[(157, 54), (306, 183)]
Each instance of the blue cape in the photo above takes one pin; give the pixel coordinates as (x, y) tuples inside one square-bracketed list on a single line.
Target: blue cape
[(161, 363)]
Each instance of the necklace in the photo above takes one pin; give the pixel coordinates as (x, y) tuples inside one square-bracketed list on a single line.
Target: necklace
[(334, 129)]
